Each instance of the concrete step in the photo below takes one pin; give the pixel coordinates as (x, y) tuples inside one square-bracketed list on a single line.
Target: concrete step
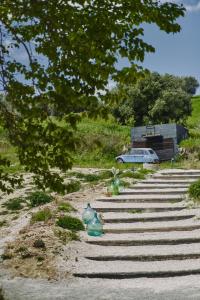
[(155, 191), (137, 207), (123, 217), (158, 257), (175, 177), (184, 225), (179, 172), (151, 197), (137, 239), (141, 253), (152, 186), (135, 200), (168, 181), (131, 269)]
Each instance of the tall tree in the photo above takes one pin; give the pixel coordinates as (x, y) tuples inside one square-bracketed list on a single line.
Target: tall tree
[(154, 99), (60, 56)]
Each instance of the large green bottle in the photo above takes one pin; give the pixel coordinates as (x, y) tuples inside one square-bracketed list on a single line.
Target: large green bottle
[(88, 214), (95, 227)]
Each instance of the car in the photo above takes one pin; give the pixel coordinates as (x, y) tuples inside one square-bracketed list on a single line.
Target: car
[(138, 155)]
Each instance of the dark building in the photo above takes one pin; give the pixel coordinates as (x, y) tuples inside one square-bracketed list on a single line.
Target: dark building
[(163, 138)]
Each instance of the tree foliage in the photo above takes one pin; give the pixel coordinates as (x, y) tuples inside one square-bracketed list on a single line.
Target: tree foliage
[(155, 99), (59, 56)]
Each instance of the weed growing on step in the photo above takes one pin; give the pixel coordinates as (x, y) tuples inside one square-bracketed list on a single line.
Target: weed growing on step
[(136, 211), (39, 198), (71, 223), (194, 191), (66, 207), (41, 216)]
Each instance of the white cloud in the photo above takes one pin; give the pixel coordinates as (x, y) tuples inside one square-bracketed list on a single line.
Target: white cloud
[(192, 8)]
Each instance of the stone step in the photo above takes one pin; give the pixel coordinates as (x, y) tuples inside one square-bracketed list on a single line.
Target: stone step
[(152, 227), (179, 172), (149, 253), (150, 257), (175, 177), (141, 200), (167, 181), (160, 198), (131, 269), (155, 191), (137, 207), (137, 239), (152, 186), (147, 217)]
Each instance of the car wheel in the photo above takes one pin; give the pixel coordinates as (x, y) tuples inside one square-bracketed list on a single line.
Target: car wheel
[(119, 160)]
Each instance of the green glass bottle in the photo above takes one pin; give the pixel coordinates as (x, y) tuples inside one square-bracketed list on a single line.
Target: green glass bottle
[(114, 188), (95, 227), (88, 214)]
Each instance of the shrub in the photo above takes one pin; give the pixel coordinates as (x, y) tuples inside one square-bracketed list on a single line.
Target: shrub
[(14, 204), (42, 215), (73, 186), (39, 198), (65, 206), (71, 223), (194, 191)]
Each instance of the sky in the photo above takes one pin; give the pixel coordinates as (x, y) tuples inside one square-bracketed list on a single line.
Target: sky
[(179, 53)]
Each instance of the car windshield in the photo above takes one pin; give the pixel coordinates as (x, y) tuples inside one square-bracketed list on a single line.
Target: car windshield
[(151, 151)]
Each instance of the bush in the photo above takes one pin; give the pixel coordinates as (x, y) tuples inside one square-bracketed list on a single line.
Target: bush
[(39, 198), (67, 207), (71, 223), (194, 191), (73, 186), (14, 204), (41, 216)]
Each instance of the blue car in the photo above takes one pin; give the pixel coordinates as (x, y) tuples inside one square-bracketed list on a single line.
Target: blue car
[(138, 155)]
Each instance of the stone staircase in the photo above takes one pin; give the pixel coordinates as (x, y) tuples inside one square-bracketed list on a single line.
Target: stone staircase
[(149, 231)]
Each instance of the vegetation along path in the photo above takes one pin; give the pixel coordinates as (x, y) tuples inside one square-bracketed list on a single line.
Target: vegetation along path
[(149, 231)]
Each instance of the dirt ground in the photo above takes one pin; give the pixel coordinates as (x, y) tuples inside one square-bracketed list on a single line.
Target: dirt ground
[(57, 257)]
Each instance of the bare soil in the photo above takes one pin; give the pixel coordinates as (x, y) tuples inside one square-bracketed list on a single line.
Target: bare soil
[(58, 257)]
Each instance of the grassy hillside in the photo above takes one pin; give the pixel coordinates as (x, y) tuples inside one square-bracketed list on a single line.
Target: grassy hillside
[(99, 142), (193, 143)]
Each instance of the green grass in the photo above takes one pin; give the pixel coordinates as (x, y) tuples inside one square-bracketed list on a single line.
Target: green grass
[(41, 216), (193, 123), (66, 207), (99, 142)]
